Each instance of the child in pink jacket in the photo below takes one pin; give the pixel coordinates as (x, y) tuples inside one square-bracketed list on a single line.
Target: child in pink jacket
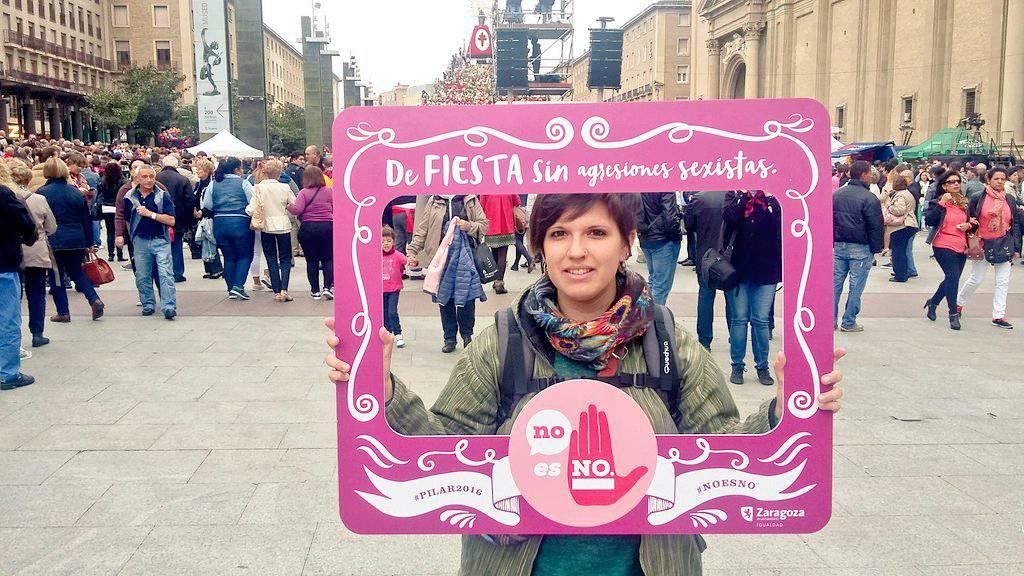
[(393, 265)]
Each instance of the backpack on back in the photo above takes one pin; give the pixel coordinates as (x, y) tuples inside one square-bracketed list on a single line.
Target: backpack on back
[(516, 363)]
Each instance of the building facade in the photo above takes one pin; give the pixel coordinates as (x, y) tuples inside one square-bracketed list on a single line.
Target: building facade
[(53, 53), (656, 54), (284, 70), (885, 69), (404, 95), (155, 33)]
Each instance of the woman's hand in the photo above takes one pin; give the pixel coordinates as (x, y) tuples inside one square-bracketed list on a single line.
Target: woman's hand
[(463, 225), (340, 370), (826, 400), (947, 198)]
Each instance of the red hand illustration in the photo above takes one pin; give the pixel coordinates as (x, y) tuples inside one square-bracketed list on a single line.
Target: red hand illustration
[(592, 476)]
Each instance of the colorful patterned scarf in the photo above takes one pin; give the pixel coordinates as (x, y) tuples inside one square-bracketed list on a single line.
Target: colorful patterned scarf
[(591, 344), (758, 201)]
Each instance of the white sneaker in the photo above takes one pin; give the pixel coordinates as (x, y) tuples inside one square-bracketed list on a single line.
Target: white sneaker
[(26, 354), (399, 341), (329, 293), (314, 295)]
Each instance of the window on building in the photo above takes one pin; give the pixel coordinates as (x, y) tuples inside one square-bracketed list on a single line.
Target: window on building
[(163, 53), (17, 4), (52, 12), (682, 74), (120, 16), (81, 21), (63, 15), (970, 101), (840, 118), (31, 7), (88, 18), (161, 16), (683, 46), (18, 27), (123, 49), (684, 18), (907, 115)]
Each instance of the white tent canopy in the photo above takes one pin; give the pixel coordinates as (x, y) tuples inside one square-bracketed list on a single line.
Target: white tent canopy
[(836, 144), (225, 144)]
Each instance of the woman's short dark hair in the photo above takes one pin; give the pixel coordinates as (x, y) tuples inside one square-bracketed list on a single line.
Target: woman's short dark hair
[(550, 208), (313, 177), (227, 166), (996, 169)]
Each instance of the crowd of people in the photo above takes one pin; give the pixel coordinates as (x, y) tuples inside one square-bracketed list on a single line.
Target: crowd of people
[(970, 213), (63, 201)]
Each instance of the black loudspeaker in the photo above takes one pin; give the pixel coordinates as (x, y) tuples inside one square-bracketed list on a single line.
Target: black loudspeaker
[(513, 48), (605, 59)]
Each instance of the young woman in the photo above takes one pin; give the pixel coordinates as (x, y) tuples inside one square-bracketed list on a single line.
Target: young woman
[(113, 179), (227, 198), (585, 240), (756, 218), (275, 237), (314, 207), (998, 226), (950, 225)]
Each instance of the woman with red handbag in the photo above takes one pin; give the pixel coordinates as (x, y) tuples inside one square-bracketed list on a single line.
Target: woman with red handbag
[(71, 241), (950, 226), (998, 225)]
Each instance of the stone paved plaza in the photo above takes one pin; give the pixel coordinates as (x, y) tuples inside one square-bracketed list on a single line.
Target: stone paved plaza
[(207, 445)]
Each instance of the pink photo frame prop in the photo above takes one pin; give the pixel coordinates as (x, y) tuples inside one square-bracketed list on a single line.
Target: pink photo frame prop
[(778, 482)]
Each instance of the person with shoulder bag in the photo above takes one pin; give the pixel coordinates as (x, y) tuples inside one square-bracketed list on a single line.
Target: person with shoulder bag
[(998, 228), (269, 210), (901, 224), (950, 226), (314, 207)]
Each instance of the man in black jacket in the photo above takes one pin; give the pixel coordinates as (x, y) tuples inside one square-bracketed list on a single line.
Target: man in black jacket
[(182, 194), (703, 218), (857, 235), (660, 237), (18, 228)]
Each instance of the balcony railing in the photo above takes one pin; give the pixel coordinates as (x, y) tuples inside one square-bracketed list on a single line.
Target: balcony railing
[(44, 81), (25, 41)]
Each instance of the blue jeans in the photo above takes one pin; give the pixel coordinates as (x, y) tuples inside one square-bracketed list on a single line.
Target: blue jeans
[(96, 234), (853, 260), (661, 267), (277, 248), (236, 242), (177, 255), (10, 325), (750, 304), (150, 251), (69, 265), (391, 320), (911, 267)]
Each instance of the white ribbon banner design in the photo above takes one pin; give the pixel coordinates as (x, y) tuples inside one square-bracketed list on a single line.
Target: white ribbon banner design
[(496, 495), (671, 496)]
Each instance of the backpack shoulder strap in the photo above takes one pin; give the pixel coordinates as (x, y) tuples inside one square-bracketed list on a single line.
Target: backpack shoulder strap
[(662, 362), (515, 363)]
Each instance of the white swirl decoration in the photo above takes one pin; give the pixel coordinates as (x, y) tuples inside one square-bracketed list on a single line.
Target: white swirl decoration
[(559, 133), (787, 452), (595, 133), (426, 460), (739, 463), (705, 518), (378, 452), (460, 518)]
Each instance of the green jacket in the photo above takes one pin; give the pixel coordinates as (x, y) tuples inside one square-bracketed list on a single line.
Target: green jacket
[(468, 405)]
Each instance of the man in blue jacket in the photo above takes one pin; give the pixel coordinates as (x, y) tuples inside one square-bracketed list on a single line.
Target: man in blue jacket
[(149, 212)]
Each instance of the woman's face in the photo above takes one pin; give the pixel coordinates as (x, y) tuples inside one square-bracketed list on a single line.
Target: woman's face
[(997, 181), (952, 185), (583, 255), (75, 169)]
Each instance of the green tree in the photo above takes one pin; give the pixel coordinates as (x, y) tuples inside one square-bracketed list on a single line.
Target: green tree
[(151, 92), (287, 126), (114, 108)]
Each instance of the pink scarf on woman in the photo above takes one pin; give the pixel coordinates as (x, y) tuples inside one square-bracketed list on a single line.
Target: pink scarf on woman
[(995, 214)]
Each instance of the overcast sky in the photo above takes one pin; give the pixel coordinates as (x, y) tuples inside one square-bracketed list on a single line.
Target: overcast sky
[(410, 41)]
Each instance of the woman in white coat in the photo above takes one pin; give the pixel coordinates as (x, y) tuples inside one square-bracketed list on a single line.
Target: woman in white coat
[(272, 198)]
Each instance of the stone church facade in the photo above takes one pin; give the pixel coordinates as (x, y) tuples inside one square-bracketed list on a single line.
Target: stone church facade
[(885, 69)]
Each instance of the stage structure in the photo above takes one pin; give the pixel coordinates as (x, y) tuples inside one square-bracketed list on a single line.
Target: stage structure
[(252, 80), (533, 40)]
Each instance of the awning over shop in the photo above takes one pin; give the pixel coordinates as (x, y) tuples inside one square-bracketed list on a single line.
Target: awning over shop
[(949, 142), (867, 151)]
